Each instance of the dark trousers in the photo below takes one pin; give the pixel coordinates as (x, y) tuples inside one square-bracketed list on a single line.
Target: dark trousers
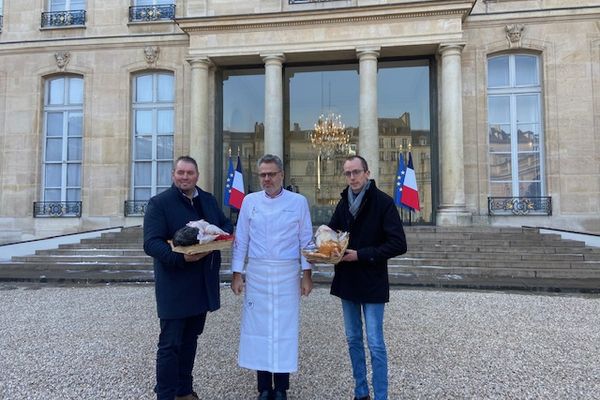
[(175, 356), (269, 380)]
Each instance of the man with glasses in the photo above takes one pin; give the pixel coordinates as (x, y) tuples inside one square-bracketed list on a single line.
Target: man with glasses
[(272, 228), (361, 278)]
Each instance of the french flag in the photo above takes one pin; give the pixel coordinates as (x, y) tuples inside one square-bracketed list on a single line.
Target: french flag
[(236, 193), (410, 192)]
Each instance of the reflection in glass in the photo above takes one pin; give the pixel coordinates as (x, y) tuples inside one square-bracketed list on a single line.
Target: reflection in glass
[(527, 108), (500, 189), (530, 189), (143, 148), (526, 67), (498, 71), (499, 138), (529, 138), (499, 109), (529, 166), (500, 167)]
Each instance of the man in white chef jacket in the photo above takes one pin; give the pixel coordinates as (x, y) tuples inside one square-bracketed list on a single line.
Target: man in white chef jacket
[(272, 228)]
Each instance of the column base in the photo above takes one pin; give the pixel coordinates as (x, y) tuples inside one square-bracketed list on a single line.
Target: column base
[(453, 216)]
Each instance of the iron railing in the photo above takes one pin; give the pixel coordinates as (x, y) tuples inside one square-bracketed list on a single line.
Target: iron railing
[(152, 13), (520, 206), (135, 208), (1, 22), (63, 18), (57, 209), (308, 1)]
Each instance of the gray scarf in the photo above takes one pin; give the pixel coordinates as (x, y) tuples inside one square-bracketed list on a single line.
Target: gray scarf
[(354, 200)]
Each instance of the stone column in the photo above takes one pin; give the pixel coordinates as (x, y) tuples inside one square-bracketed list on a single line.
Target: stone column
[(199, 134), (274, 103), (368, 138), (452, 209)]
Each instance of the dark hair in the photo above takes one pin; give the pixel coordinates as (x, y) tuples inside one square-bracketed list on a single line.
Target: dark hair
[(271, 158), (186, 159), (362, 161)]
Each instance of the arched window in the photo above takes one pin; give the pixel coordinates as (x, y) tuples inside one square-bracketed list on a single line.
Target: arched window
[(63, 133), (515, 131), (152, 131)]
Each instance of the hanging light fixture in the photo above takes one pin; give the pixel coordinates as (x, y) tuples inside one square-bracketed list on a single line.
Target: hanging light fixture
[(328, 137)]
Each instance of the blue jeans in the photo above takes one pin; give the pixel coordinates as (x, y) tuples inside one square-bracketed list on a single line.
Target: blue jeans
[(177, 345), (373, 315)]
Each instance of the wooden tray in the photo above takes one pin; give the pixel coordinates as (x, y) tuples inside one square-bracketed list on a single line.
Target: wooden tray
[(202, 248), (315, 258)]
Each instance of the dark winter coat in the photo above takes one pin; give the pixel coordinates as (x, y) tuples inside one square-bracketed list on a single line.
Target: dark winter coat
[(183, 289), (377, 235)]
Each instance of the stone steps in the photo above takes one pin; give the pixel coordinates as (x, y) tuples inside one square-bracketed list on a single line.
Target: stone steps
[(480, 257)]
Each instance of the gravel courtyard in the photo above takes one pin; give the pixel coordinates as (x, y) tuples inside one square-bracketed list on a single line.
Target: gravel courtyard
[(99, 342)]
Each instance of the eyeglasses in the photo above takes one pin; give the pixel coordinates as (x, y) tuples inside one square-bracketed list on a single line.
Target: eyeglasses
[(354, 172), (271, 175)]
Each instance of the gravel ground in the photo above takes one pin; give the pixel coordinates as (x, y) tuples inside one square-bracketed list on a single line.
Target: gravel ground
[(99, 343)]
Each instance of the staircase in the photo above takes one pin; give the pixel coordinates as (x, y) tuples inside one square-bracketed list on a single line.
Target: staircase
[(466, 257)]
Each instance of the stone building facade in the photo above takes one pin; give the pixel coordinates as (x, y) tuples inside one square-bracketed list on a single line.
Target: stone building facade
[(495, 101)]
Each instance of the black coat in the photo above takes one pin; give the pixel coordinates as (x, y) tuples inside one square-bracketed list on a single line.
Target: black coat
[(182, 289), (377, 235)]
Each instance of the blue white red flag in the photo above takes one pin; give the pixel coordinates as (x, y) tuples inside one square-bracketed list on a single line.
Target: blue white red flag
[(410, 192), (236, 195), (400, 174), (228, 183)]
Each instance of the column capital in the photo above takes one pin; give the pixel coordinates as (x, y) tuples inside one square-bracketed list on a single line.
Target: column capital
[(270, 58), (368, 52), (199, 61), (451, 48)]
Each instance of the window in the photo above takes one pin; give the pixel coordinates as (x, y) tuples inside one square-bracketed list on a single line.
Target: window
[(63, 132), (64, 13), (515, 132), (153, 127), (1, 15)]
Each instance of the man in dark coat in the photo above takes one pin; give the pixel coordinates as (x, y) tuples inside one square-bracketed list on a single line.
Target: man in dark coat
[(186, 286), (361, 278)]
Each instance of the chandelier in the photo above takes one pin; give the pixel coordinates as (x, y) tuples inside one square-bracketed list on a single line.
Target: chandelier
[(330, 135)]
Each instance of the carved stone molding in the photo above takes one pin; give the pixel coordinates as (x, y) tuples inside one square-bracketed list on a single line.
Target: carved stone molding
[(151, 54), (62, 59), (513, 34)]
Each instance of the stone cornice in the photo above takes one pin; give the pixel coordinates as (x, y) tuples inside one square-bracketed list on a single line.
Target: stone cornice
[(351, 15)]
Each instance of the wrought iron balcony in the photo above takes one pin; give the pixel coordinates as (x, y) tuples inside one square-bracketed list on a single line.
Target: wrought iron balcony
[(135, 208), (63, 18), (1, 22), (152, 13), (49, 209), (520, 206), (308, 1)]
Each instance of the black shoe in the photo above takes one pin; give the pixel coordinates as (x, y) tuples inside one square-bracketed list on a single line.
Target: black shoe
[(363, 398), (280, 395), (264, 395)]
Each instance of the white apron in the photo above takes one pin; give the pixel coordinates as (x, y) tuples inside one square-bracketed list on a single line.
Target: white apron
[(270, 316)]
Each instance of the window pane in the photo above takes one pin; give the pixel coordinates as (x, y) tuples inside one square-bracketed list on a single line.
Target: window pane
[(165, 121), (54, 124), (499, 138), (165, 87), (164, 173), (144, 2), (142, 174), (529, 167), (499, 109), (75, 124), (75, 91), (500, 189), (143, 148), (74, 149), (52, 178), (58, 5), (143, 122), (77, 4), (500, 167), (526, 70), (74, 175), (164, 148), (529, 137), (56, 91), (52, 195), (54, 149), (73, 195), (530, 189), (498, 71), (527, 108), (141, 194), (143, 86)]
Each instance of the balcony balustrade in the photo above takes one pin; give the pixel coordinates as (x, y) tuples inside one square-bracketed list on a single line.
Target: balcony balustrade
[(56, 19), (152, 13), (521, 206), (1, 22), (135, 208), (308, 1), (56, 209)]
